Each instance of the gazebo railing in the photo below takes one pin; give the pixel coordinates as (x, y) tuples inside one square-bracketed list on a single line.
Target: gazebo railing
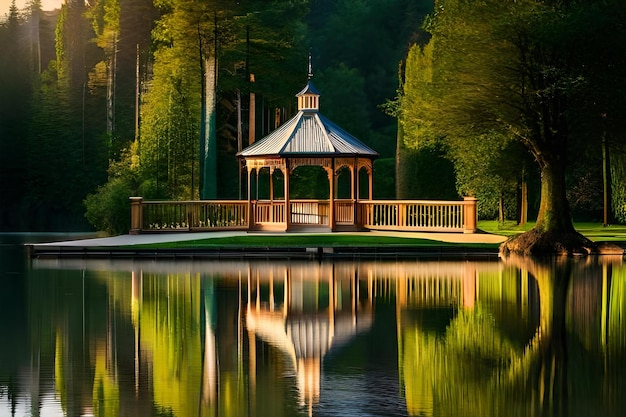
[(310, 212), (419, 215), (164, 216), (267, 211), (401, 215), (344, 212)]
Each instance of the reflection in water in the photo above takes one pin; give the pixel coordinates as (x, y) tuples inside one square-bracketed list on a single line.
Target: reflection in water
[(260, 338), (318, 308), (474, 365)]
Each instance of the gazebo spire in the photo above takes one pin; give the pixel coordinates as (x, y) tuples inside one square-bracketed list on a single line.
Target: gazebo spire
[(308, 98)]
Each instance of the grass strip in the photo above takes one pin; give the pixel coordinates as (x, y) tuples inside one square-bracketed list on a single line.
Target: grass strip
[(305, 241), (594, 231)]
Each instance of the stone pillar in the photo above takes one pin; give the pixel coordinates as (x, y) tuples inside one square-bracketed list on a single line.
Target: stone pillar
[(136, 219), (470, 215)]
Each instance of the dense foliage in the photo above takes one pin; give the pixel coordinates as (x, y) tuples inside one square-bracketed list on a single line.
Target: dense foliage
[(112, 98), (493, 75)]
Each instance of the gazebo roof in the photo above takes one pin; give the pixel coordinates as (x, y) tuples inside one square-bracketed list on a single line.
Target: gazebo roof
[(308, 133), (308, 89)]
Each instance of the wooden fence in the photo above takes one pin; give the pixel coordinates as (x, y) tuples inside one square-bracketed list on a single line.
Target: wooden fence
[(402, 215)]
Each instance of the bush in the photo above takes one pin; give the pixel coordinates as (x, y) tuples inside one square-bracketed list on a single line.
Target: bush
[(108, 209)]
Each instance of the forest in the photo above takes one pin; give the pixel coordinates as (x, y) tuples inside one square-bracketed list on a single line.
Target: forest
[(518, 103)]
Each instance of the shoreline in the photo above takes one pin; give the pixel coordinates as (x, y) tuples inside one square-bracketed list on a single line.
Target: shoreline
[(448, 245)]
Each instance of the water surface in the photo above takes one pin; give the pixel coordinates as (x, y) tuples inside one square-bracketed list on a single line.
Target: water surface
[(345, 338)]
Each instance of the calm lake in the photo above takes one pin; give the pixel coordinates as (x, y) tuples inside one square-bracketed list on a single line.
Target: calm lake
[(421, 337)]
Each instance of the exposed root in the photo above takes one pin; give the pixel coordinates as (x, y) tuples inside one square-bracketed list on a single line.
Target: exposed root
[(538, 243)]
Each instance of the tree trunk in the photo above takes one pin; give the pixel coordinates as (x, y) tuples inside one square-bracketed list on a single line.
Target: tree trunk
[(209, 174), (554, 231), (606, 180), (110, 95), (554, 215), (400, 164), (522, 216)]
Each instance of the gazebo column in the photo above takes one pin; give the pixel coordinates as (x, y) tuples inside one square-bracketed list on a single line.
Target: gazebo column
[(370, 180), (331, 209), (287, 202), (251, 219), (271, 183), (355, 191), (272, 194)]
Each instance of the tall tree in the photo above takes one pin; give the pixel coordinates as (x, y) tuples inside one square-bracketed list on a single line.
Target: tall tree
[(221, 40), (122, 31), (512, 69), (15, 92), (419, 155)]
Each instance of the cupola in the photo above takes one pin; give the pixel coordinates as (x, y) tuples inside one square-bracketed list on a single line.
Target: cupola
[(308, 98)]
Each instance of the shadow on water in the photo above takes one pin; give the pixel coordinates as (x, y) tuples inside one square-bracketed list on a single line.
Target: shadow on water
[(516, 336)]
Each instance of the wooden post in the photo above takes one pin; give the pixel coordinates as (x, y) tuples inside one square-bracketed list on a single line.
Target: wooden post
[(287, 201), (271, 184), (251, 209), (355, 192), (470, 215), (135, 215), (370, 190), (331, 182)]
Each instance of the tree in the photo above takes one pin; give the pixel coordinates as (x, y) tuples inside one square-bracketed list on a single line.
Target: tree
[(510, 71), (366, 40), (15, 95), (225, 43)]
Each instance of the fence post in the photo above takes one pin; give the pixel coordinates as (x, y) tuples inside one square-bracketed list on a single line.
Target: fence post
[(135, 215), (470, 215)]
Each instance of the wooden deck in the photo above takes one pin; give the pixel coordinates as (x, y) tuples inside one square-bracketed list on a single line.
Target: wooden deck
[(266, 215)]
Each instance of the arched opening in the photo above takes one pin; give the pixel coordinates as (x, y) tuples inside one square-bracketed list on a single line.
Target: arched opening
[(309, 181), (278, 180), (263, 184), (364, 184), (344, 180)]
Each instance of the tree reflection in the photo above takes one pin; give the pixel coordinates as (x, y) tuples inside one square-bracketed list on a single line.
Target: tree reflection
[(474, 366)]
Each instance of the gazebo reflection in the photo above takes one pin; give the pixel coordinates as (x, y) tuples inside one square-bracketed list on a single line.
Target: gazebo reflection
[(306, 310)]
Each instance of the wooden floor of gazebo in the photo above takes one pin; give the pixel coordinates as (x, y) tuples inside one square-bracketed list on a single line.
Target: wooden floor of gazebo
[(271, 215)]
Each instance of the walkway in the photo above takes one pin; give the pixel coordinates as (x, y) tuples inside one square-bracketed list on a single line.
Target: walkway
[(127, 240), (123, 246)]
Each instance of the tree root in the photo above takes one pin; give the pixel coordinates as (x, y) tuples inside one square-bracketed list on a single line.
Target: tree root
[(538, 243)]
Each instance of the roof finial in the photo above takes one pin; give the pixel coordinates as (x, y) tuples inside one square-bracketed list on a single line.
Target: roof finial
[(310, 66)]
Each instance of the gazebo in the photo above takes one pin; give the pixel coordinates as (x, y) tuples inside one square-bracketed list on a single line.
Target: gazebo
[(307, 139)]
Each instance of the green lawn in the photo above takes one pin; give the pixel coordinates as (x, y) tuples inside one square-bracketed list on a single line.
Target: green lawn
[(594, 231), (304, 241)]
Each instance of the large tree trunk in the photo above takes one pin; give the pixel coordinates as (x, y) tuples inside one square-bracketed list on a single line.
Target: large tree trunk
[(554, 231), (554, 215)]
